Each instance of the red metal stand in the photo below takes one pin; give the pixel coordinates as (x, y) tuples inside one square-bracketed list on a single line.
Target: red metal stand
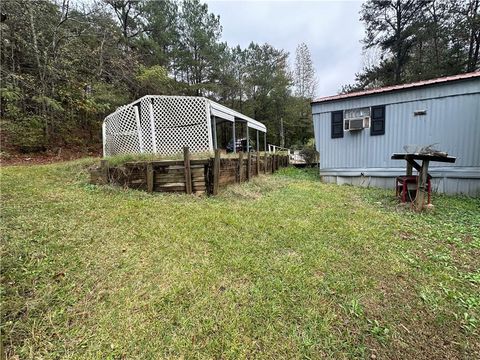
[(401, 186)]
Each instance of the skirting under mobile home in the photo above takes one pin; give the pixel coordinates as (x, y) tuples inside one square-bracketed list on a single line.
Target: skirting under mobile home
[(357, 133)]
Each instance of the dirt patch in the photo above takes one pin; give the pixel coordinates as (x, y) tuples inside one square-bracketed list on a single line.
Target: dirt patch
[(416, 332), (9, 157)]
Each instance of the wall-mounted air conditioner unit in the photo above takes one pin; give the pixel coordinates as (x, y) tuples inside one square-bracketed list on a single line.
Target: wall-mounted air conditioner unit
[(357, 124), (356, 119)]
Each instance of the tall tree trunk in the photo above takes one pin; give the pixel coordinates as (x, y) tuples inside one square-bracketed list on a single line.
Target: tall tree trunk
[(398, 40), (473, 44), (41, 72)]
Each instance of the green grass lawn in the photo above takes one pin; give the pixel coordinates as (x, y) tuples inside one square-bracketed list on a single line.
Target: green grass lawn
[(282, 267)]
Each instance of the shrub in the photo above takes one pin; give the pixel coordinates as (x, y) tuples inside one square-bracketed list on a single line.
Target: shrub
[(28, 134), (310, 155)]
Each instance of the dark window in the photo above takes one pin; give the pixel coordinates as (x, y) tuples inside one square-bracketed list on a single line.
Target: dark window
[(337, 124), (377, 127)]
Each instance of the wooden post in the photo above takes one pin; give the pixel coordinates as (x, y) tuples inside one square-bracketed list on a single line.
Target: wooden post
[(258, 161), (188, 170), (150, 177), (265, 162), (409, 169), (273, 163), (216, 172), (105, 169), (249, 166), (240, 166), (422, 186)]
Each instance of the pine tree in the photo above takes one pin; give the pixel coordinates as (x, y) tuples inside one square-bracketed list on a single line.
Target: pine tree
[(305, 81)]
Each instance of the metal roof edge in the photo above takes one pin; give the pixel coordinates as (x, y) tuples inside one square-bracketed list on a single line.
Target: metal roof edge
[(255, 124), (401, 87)]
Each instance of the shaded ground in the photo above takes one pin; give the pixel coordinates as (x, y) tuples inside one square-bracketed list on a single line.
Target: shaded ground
[(282, 267), (12, 157)]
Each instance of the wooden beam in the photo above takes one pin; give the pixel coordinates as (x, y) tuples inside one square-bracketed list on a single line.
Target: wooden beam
[(422, 186), (249, 166), (150, 175), (240, 166), (105, 170), (439, 158), (414, 164), (216, 172), (188, 170), (258, 162), (409, 169)]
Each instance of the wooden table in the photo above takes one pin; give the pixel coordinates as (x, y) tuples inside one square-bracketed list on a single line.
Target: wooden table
[(423, 175)]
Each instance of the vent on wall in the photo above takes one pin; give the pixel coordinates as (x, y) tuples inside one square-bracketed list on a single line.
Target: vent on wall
[(420, 112)]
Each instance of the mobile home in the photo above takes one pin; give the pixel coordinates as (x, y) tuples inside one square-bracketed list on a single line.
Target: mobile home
[(357, 133)]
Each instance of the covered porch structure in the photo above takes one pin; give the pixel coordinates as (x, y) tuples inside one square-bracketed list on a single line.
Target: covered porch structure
[(234, 132)]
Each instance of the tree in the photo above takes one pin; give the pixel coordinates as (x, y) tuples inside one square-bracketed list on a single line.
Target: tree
[(66, 64), (466, 30), (129, 14), (199, 48), (419, 40), (267, 86), (304, 78), (392, 25), (161, 33)]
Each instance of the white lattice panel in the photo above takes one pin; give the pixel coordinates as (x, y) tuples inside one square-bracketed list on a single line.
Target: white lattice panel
[(158, 124), (179, 122), (121, 132), (145, 125)]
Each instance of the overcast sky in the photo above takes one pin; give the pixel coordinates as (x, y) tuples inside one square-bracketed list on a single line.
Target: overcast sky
[(331, 29)]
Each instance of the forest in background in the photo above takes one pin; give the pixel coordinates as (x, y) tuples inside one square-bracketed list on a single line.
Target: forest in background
[(68, 63), (412, 40)]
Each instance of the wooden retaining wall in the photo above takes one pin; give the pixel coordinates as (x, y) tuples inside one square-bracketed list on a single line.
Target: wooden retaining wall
[(188, 175)]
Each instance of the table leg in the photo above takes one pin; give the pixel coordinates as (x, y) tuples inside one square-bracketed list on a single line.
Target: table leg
[(409, 169), (422, 187)]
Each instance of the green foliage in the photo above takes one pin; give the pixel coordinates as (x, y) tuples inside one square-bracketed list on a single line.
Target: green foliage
[(418, 40), (28, 134), (309, 152), (72, 64), (154, 80), (10, 93), (48, 102)]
